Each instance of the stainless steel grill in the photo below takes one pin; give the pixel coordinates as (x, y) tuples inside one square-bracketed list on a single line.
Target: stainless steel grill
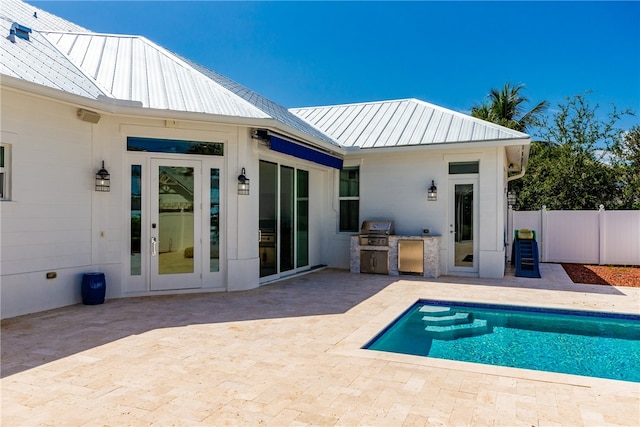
[(376, 232)]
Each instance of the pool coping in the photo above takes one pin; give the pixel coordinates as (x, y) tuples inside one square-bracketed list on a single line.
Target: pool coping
[(353, 346)]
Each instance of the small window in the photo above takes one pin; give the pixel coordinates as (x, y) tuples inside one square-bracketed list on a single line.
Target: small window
[(136, 220), (5, 171), (214, 220), (174, 146), (349, 196), (458, 168)]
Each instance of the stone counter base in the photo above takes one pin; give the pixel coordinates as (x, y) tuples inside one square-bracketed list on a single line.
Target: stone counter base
[(431, 254)]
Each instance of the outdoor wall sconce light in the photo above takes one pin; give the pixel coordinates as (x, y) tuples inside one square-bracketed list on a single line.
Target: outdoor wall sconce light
[(88, 116), (103, 179), (243, 183), (511, 198), (432, 193)]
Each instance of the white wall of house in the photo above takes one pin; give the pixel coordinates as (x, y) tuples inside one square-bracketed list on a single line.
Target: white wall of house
[(47, 225), (394, 185), (56, 222)]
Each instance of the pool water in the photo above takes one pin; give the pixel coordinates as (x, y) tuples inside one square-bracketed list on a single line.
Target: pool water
[(585, 343)]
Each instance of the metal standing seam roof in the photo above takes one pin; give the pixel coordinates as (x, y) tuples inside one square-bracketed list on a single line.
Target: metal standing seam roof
[(276, 111), (134, 69), (405, 122), (51, 69), (17, 10), (68, 57)]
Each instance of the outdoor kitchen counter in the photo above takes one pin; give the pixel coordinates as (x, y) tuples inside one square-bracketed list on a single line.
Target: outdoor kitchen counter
[(431, 253)]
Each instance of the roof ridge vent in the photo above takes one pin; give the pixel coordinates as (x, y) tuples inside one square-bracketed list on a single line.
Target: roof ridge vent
[(19, 31)]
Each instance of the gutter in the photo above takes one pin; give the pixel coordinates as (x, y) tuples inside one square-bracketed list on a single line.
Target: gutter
[(517, 176), (523, 169)]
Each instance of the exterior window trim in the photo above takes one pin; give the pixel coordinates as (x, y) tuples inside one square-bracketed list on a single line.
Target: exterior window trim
[(5, 172), (349, 198)]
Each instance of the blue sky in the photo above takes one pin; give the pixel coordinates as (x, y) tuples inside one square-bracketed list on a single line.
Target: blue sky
[(447, 53)]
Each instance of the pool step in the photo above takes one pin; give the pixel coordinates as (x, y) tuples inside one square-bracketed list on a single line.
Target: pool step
[(477, 327), (434, 311), (430, 311), (452, 319)]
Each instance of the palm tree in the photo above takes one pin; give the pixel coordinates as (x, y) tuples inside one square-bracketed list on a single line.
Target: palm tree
[(505, 107)]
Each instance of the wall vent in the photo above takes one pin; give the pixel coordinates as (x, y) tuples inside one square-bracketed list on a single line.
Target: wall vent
[(20, 31)]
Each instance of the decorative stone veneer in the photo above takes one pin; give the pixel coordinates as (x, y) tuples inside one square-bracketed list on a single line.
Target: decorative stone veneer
[(431, 254)]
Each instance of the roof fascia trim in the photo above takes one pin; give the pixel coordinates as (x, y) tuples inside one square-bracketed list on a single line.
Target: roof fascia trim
[(107, 105), (524, 142)]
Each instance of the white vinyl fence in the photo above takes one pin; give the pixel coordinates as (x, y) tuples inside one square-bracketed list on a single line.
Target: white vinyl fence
[(584, 237)]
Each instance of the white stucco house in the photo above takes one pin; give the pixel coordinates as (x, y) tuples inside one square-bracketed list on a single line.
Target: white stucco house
[(178, 141)]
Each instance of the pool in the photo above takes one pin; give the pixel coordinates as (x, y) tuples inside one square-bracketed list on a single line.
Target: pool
[(602, 345)]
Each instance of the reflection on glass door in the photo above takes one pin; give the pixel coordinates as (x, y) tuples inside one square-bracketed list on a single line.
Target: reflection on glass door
[(284, 224), (268, 213), (286, 218), (175, 222), (214, 220), (463, 226), (302, 219)]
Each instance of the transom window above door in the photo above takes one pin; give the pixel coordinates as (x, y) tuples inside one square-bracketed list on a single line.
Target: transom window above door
[(460, 168), (174, 146)]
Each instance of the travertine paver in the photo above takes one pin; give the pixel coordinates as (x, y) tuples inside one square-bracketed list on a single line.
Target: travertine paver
[(290, 353)]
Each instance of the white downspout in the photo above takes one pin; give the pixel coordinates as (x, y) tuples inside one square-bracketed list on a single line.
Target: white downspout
[(517, 176)]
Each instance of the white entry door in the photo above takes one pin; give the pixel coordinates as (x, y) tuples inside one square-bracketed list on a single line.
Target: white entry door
[(175, 224), (463, 225)]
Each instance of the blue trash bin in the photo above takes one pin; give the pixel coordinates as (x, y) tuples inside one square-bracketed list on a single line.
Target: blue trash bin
[(94, 287)]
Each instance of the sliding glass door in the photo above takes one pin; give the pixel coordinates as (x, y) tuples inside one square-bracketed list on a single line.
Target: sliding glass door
[(284, 212)]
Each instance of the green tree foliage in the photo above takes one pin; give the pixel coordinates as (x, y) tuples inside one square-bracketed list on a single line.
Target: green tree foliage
[(574, 165), (626, 158), (506, 108)]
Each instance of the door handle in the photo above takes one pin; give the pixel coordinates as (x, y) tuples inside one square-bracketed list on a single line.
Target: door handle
[(259, 235), (154, 246)]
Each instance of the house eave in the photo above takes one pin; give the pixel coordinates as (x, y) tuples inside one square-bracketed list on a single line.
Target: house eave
[(519, 159), (112, 106), (524, 141)]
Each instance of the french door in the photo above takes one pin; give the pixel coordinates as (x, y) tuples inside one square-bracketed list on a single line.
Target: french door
[(463, 225), (175, 224), (284, 213)]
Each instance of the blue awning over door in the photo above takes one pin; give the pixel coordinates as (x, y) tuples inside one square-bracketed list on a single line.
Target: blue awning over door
[(302, 152)]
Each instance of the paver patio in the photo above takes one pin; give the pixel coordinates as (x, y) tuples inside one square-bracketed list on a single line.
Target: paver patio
[(289, 353)]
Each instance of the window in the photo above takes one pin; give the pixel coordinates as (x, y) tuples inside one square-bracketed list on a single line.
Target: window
[(214, 220), (349, 197), (174, 146), (136, 219), (5, 172), (456, 168)]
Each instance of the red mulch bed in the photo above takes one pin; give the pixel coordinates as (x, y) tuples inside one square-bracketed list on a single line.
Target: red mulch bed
[(604, 274)]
